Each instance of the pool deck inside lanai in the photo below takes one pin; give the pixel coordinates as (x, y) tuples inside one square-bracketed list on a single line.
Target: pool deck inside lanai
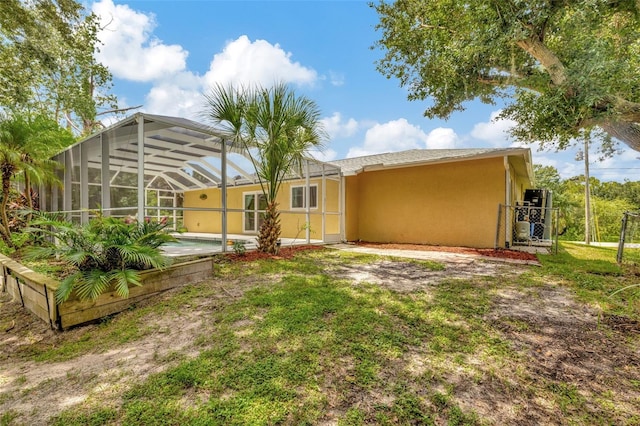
[(208, 245)]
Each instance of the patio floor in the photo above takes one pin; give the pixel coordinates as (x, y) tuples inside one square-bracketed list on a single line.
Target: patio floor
[(199, 243)]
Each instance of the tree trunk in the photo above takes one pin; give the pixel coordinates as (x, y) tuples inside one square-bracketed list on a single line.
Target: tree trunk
[(270, 230), (551, 63), (626, 131), (4, 227)]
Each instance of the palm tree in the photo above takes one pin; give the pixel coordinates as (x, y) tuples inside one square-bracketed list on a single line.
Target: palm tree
[(107, 252), (26, 145), (275, 128)]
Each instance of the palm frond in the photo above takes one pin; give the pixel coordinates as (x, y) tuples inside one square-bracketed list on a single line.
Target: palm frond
[(92, 284), (123, 279), (66, 287), (142, 257)]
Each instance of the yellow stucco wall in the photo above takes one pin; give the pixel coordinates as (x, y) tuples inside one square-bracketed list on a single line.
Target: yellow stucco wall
[(352, 190), (452, 204), (202, 221), (292, 221)]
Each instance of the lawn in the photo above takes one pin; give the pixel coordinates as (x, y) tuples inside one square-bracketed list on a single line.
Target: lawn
[(333, 337)]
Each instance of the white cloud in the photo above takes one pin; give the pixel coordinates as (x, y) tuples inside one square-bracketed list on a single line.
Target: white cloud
[(565, 168), (132, 52), (495, 131), (400, 135), (241, 61), (336, 127), (171, 99), (247, 62), (129, 49), (396, 135), (442, 138), (181, 94)]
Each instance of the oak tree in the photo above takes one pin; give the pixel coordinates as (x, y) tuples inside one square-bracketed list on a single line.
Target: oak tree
[(562, 66), (47, 62)]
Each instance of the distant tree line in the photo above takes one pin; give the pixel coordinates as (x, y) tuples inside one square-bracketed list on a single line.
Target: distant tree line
[(609, 200)]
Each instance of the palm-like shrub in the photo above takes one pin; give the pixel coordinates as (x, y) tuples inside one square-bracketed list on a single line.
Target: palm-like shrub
[(276, 129), (105, 252), (26, 146)]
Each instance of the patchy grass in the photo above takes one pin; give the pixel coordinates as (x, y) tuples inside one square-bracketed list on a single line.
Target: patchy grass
[(593, 275), (293, 342)]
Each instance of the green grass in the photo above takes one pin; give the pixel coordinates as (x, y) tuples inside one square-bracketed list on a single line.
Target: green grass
[(304, 346), (274, 349), (7, 418), (593, 274)]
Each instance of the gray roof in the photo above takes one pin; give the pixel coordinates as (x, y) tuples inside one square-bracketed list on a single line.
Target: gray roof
[(416, 157)]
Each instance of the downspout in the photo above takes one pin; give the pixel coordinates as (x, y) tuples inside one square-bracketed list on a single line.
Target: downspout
[(308, 203), (507, 181), (507, 201), (341, 207)]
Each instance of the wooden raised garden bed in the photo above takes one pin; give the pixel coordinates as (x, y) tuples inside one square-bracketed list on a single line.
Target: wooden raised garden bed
[(36, 292)]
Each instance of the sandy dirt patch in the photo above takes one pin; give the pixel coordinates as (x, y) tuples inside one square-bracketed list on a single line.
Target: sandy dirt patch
[(40, 390)]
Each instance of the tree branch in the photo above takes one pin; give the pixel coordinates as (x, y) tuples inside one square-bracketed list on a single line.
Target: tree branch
[(436, 27), (118, 110), (546, 57), (627, 132)]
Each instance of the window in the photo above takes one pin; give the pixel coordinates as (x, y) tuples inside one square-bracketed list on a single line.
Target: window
[(254, 205), (298, 197)]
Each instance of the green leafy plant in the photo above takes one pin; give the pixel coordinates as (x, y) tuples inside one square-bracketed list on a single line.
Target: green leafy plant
[(239, 247), (105, 252)]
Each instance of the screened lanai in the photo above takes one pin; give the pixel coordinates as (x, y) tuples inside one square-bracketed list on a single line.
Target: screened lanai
[(156, 167)]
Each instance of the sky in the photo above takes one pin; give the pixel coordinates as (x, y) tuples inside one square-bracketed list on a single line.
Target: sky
[(165, 55)]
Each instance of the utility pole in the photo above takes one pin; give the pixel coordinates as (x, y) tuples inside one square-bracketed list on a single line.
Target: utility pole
[(587, 194)]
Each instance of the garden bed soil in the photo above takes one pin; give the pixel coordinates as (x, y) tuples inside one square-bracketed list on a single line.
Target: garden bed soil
[(283, 253)]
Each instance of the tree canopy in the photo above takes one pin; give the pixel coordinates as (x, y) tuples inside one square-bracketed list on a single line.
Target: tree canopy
[(564, 66), (47, 63), (26, 146)]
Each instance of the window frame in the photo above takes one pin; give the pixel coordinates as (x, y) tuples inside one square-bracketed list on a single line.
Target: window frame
[(259, 214), (304, 196)]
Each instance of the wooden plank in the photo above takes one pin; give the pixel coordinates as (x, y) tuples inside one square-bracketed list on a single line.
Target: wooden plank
[(34, 305), (155, 286), (154, 282), (12, 287), (33, 296), (95, 312), (77, 312), (37, 288), (33, 286), (25, 273), (53, 308)]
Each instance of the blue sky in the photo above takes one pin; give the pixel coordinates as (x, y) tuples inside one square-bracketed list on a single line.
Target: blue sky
[(165, 54)]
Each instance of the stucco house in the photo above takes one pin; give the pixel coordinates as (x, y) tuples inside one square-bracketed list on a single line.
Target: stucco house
[(152, 166), (446, 197)]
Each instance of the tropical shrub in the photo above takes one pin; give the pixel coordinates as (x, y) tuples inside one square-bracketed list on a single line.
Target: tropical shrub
[(107, 252), (276, 129)]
